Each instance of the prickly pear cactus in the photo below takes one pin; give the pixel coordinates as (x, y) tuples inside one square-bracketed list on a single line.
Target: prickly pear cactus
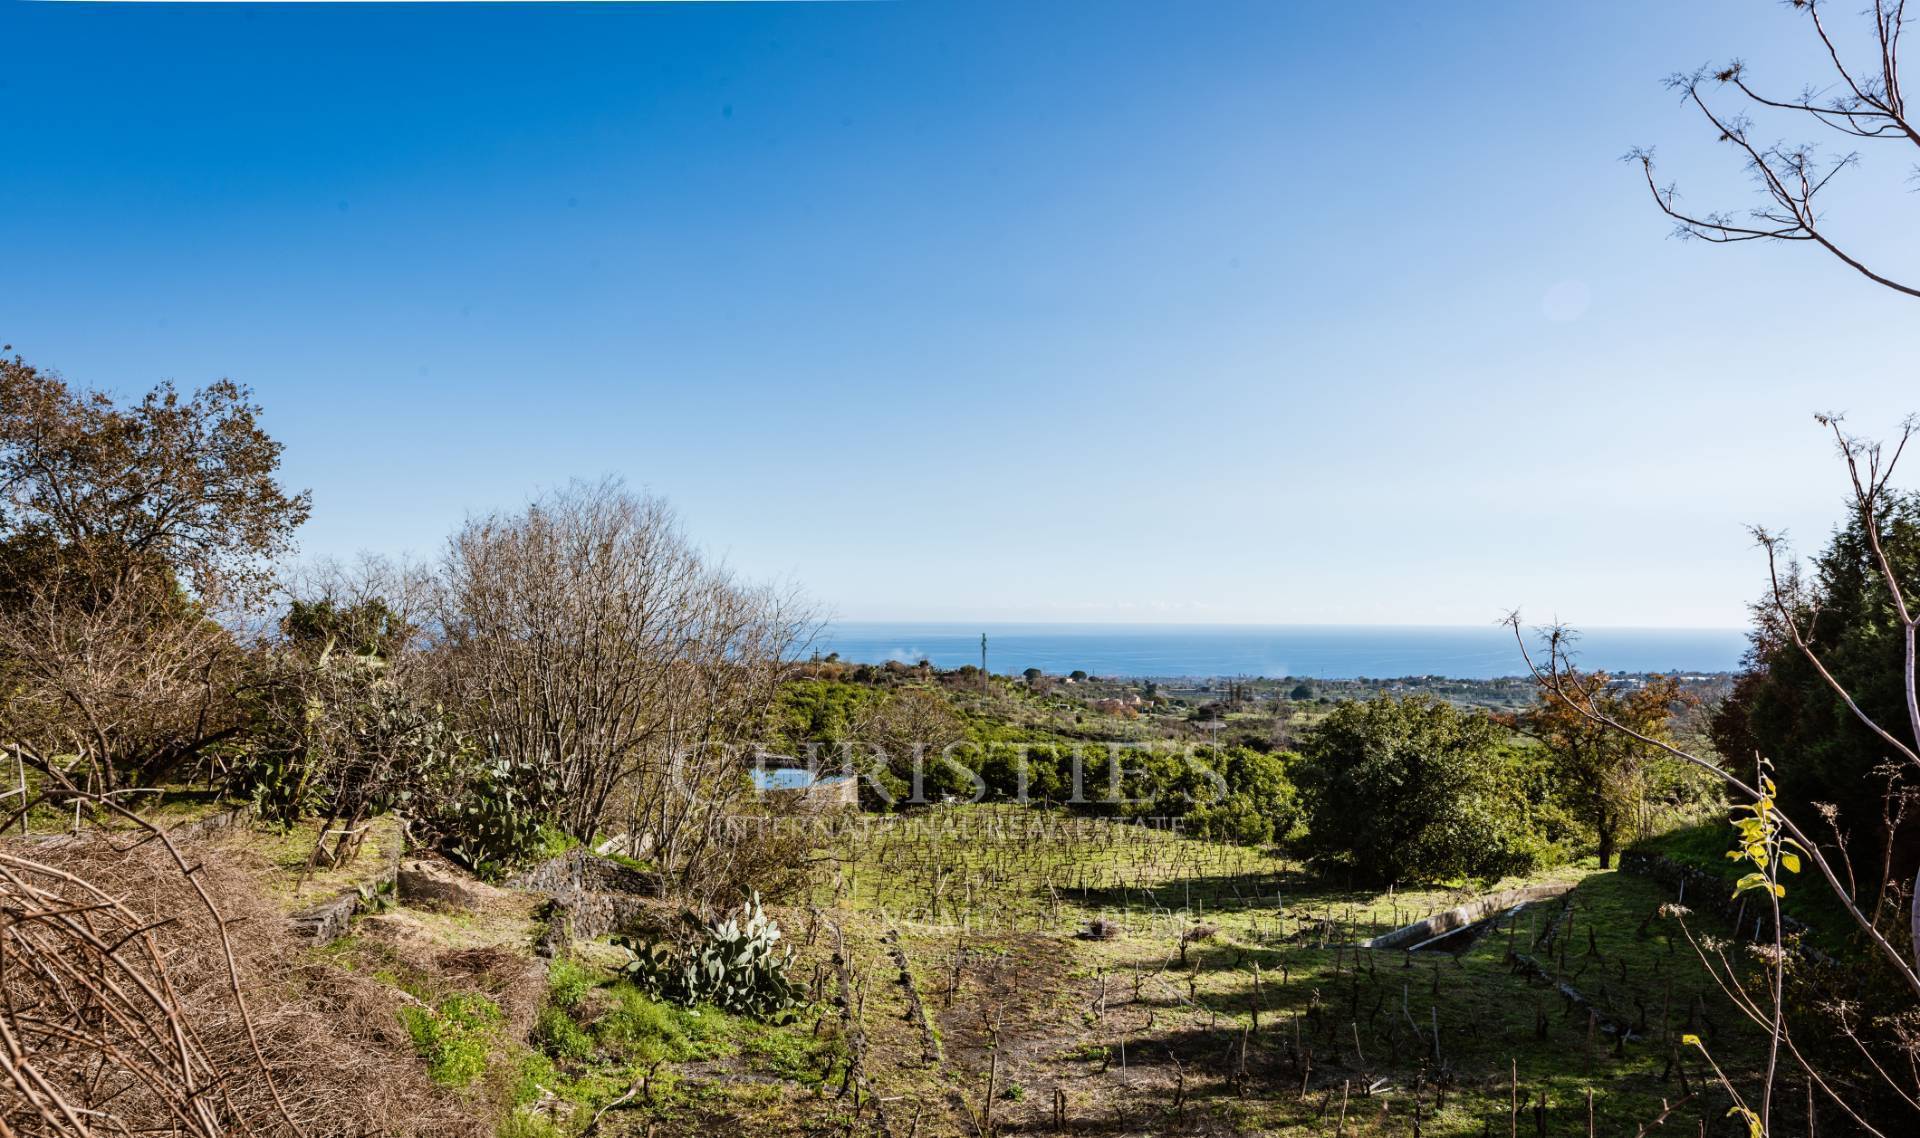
[(738, 965)]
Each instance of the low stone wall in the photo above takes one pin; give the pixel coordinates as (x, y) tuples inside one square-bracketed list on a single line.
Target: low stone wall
[(330, 919), (212, 824), (584, 916), (327, 922), (1408, 936), (1705, 892), (592, 896), (578, 871)]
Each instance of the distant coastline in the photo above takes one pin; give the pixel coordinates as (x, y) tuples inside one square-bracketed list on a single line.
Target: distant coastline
[(1305, 651)]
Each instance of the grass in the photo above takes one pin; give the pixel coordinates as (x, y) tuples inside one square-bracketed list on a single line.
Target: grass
[(601, 1041), (165, 806), (984, 903), (456, 1037), (287, 852), (1124, 1032), (1809, 899)]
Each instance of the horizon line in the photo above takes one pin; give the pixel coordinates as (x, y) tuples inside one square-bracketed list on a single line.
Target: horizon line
[(1490, 626)]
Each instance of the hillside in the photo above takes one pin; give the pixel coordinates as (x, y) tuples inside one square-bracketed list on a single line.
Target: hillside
[(975, 968)]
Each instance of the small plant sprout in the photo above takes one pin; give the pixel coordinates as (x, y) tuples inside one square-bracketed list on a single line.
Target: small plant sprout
[(1762, 845)]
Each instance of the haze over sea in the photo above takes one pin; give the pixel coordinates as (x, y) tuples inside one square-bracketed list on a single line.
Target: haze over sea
[(1317, 651)]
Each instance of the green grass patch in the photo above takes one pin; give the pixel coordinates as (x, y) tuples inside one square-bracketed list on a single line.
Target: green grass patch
[(641, 1030), (791, 1052), (568, 981), (456, 1037)]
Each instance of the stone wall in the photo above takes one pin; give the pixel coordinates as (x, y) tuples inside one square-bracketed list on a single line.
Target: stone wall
[(578, 871), (329, 920), (1442, 923), (592, 896), (1706, 892)]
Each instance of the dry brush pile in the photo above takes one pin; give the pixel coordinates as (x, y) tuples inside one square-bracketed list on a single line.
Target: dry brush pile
[(145, 988)]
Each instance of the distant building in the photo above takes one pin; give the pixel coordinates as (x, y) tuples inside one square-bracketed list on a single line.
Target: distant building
[(821, 793)]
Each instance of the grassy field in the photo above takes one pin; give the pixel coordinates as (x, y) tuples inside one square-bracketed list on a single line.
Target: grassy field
[(1228, 997), (1002, 970)]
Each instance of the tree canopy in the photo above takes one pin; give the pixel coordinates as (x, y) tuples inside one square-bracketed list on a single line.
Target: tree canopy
[(1413, 789)]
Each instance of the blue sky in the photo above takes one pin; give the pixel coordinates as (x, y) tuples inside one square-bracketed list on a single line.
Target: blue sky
[(1196, 311)]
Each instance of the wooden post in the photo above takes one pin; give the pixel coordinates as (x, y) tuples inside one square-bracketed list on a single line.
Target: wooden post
[(1513, 1099)]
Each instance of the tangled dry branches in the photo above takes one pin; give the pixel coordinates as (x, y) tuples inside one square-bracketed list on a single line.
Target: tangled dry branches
[(136, 998)]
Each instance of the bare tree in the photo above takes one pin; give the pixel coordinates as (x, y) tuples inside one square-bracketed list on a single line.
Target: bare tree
[(559, 625), (128, 673), (1860, 99), (689, 792), (587, 641)]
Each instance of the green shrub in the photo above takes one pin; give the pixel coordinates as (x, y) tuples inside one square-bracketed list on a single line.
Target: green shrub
[(1415, 789), (550, 841), (491, 814), (1232, 819), (737, 966)]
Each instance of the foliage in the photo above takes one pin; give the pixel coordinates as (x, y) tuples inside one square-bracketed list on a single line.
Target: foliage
[(366, 626), (736, 964), (333, 733), (568, 982), (1413, 789), (186, 483), (1606, 773), (490, 812), (560, 1036), (820, 714), (347, 734), (1262, 804), (1762, 845), (455, 1036), (124, 532), (908, 736), (1784, 709)]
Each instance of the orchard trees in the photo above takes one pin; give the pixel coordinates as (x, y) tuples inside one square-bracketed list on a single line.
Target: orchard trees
[(1413, 789)]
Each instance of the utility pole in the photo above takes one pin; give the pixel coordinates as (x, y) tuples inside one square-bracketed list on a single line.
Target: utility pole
[(983, 662)]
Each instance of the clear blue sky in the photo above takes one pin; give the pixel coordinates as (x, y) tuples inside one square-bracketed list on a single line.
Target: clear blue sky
[(1196, 311)]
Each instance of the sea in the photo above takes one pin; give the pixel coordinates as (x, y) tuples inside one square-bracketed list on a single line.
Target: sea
[(1305, 651)]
